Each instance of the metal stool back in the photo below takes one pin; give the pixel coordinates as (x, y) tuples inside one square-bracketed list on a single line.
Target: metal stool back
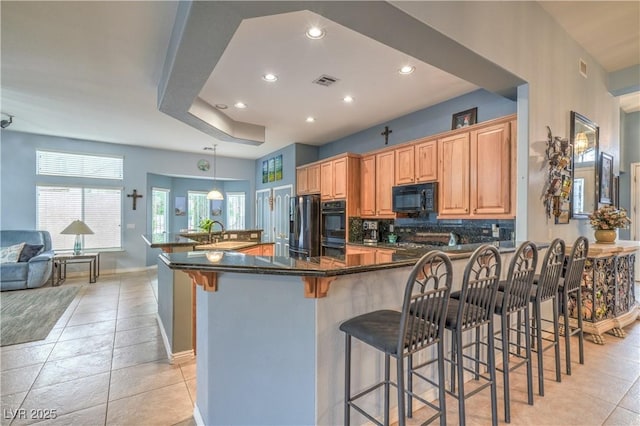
[(473, 310), (515, 299), (571, 289), (402, 334), (546, 288)]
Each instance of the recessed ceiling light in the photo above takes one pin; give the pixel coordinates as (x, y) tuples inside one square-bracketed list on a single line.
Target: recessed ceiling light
[(348, 99), (310, 119), (270, 77), (407, 69), (221, 106), (315, 33), (240, 105)]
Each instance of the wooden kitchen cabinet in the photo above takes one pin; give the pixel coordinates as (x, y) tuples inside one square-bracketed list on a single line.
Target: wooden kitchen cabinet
[(258, 250), (404, 165), (377, 180), (308, 179), (426, 157), (339, 177), (476, 172), (491, 170), (453, 188)]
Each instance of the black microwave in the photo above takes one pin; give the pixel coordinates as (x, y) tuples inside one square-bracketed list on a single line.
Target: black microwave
[(420, 198)]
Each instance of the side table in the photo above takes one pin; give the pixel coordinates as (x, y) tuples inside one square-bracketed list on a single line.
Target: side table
[(61, 260)]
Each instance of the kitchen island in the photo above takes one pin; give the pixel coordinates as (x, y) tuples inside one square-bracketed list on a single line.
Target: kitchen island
[(268, 346), (176, 291)]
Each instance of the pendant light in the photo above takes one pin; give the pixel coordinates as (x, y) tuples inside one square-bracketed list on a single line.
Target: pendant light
[(214, 194)]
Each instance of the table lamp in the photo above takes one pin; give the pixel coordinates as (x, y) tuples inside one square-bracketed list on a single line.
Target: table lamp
[(78, 228)]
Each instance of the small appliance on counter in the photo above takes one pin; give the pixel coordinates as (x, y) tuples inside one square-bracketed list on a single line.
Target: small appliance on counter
[(370, 232)]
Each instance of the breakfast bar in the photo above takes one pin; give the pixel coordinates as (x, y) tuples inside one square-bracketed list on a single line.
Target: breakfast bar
[(269, 350)]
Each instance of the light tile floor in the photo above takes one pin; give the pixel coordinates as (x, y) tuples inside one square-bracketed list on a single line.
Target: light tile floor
[(104, 364)]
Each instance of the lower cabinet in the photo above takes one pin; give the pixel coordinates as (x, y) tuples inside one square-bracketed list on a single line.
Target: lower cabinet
[(259, 250)]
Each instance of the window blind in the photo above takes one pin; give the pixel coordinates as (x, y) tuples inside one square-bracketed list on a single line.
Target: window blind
[(79, 165)]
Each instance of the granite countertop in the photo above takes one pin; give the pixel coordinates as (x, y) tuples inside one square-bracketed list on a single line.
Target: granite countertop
[(227, 245), (321, 266), (168, 240)]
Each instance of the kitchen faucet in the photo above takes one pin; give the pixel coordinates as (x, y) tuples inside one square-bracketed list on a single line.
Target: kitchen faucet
[(211, 229)]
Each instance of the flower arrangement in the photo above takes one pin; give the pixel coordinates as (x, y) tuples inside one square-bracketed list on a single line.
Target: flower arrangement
[(609, 217)]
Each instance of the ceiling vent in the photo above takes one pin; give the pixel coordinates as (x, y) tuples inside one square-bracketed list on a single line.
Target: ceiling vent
[(325, 80)]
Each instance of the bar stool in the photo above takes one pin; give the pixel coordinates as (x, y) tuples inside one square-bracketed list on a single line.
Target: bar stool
[(472, 310), (545, 287), (514, 299), (401, 334), (571, 291)]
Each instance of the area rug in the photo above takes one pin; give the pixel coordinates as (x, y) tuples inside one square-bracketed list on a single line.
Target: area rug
[(29, 315)]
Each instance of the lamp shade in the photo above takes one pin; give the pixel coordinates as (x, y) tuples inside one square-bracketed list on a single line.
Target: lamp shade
[(214, 194), (581, 143), (77, 227)]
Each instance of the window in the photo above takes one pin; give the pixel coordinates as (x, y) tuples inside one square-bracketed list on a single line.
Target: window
[(70, 198), (198, 208), (159, 210), (51, 163), (99, 208), (235, 210)]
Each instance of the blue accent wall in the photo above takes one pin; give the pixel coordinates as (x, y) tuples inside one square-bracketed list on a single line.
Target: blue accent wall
[(426, 122), (18, 181)]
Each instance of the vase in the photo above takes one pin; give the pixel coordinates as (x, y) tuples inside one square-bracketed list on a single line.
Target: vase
[(605, 236)]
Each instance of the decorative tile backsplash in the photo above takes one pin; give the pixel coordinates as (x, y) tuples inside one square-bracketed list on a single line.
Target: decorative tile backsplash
[(433, 231)]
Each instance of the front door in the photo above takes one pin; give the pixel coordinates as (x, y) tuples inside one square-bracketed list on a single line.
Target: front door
[(281, 199), (263, 214)]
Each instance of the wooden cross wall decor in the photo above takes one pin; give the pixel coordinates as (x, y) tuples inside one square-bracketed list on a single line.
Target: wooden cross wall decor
[(386, 133), (135, 197)]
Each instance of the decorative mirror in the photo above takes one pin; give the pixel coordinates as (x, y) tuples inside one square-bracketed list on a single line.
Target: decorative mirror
[(584, 139)]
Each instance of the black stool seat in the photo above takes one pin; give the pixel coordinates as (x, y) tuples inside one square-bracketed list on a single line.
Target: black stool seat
[(378, 329)]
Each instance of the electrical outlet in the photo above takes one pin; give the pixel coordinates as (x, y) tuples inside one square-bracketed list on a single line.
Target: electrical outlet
[(495, 230)]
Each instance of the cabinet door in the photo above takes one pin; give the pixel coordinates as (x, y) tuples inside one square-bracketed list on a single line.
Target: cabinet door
[(313, 179), (384, 256), (426, 161), (368, 186), (301, 181), (453, 191), (385, 165), (340, 178), (404, 167), (491, 170), (326, 180)]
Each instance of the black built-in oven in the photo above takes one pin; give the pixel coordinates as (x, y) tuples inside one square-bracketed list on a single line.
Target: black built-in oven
[(333, 227)]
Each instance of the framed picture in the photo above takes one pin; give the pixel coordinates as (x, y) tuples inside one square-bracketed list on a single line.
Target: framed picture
[(464, 118), (616, 192), (606, 178), (181, 206)]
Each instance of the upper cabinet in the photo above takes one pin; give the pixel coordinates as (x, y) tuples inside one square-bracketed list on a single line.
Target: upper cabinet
[(453, 188), (308, 179), (476, 172), (426, 156), (491, 170), (405, 165), (376, 172), (340, 180)]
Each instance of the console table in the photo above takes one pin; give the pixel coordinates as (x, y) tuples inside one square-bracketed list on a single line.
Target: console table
[(61, 260), (608, 299)]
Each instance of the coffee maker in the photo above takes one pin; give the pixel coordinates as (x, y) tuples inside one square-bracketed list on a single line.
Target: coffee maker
[(370, 231)]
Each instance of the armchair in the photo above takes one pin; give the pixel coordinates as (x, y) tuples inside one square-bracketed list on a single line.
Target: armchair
[(32, 273)]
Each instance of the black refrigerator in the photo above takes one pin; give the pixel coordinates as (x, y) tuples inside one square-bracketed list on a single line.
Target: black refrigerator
[(304, 226)]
